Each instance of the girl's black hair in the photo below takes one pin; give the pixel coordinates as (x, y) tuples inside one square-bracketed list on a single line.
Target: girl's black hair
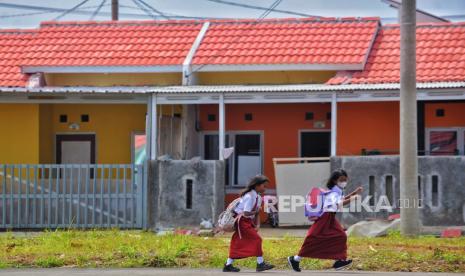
[(332, 181), (254, 182)]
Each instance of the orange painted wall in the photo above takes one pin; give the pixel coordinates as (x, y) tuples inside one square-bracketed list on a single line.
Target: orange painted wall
[(280, 124), (454, 115), (369, 125)]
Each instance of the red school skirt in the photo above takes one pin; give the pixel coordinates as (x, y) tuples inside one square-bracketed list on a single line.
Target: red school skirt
[(325, 239), (247, 243)]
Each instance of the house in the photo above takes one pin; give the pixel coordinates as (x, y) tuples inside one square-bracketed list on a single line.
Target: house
[(88, 92)]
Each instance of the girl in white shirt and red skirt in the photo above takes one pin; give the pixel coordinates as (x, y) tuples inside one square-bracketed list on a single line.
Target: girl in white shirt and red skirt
[(326, 239), (246, 242)]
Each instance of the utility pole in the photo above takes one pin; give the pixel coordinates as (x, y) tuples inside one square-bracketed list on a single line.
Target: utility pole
[(114, 10), (409, 212)]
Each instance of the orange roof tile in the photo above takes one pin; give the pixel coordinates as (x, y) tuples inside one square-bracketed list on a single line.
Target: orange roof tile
[(440, 55), (281, 41), (125, 43), (13, 44)]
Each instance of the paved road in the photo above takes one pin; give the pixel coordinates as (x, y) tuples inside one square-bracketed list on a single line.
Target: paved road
[(194, 272)]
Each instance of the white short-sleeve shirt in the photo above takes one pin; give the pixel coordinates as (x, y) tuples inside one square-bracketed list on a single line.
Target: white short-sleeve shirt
[(247, 202), (333, 200)]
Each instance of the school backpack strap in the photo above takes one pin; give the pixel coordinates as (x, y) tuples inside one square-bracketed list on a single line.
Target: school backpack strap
[(227, 218), (315, 202)]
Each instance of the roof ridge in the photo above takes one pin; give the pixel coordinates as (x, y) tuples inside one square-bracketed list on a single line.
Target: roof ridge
[(18, 31), (427, 25), (201, 21)]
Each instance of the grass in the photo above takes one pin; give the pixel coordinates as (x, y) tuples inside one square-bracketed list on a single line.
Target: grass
[(114, 248)]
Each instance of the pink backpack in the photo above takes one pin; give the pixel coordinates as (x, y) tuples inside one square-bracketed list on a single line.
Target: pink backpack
[(314, 203)]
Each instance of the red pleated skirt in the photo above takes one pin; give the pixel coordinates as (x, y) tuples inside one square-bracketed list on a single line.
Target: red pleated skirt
[(325, 239), (248, 243)]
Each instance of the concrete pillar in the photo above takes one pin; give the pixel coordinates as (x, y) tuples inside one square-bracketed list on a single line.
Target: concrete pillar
[(221, 127), (409, 212), (334, 125), (152, 128)]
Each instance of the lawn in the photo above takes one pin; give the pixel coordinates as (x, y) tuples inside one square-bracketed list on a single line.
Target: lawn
[(114, 248)]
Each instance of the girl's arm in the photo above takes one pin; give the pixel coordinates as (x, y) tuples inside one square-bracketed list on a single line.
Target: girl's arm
[(349, 197)]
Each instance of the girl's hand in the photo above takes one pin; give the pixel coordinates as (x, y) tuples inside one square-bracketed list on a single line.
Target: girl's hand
[(359, 190)]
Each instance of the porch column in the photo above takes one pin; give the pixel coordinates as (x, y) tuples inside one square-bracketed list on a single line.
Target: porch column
[(334, 124), (221, 127), (151, 128)]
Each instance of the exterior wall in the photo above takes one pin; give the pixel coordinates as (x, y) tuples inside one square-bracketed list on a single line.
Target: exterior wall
[(167, 190), (19, 142), (454, 114), (367, 125), (261, 77), (140, 79), (46, 134), (112, 124), (279, 123), (450, 208)]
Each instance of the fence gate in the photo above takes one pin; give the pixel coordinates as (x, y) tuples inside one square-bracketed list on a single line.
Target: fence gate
[(72, 196)]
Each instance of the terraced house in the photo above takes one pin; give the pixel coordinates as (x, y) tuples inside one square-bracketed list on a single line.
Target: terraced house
[(84, 104)]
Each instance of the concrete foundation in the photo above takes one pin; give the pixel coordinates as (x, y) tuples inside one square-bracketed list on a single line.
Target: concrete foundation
[(183, 192), (441, 187)]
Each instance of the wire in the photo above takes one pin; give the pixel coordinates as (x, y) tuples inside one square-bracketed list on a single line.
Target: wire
[(154, 10), (98, 9), (260, 8), (174, 15), (59, 10), (226, 45), (44, 12), (70, 10), (144, 9)]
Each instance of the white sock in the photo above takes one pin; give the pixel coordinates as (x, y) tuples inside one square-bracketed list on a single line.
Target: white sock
[(297, 258), (229, 261), (259, 260)]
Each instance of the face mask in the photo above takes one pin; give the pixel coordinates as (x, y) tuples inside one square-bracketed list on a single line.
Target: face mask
[(342, 185)]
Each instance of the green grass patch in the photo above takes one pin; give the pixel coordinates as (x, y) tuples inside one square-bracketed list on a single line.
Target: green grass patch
[(115, 248)]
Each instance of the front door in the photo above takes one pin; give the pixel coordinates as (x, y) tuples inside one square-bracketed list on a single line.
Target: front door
[(75, 149)]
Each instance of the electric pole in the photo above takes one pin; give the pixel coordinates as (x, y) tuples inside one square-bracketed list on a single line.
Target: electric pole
[(114, 10), (409, 212)]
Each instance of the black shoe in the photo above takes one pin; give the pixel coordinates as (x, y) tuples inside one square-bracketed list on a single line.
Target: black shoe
[(293, 264), (230, 268), (339, 265), (264, 266)]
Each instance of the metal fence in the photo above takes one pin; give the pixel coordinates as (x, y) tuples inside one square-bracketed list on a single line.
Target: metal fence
[(72, 196)]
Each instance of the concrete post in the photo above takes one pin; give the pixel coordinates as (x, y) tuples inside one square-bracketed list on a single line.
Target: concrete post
[(221, 127), (114, 10), (153, 128), (334, 125), (409, 213)]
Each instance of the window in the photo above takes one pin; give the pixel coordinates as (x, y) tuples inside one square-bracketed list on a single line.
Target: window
[(315, 143), (138, 148), (246, 161), (63, 118), (211, 151), (211, 117), (248, 117), (444, 142), (85, 118), (247, 158), (440, 112), (309, 116)]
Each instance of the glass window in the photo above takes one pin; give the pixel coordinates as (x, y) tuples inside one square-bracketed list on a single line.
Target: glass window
[(443, 142)]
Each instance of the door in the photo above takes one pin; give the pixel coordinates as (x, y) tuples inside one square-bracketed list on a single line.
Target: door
[(315, 143), (75, 149)]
